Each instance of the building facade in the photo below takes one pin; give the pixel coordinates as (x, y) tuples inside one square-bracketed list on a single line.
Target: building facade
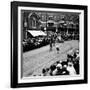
[(50, 21)]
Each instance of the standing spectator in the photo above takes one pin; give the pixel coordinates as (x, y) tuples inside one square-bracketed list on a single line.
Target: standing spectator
[(76, 65)]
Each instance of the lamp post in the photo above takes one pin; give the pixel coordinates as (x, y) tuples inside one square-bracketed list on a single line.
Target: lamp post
[(46, 24), (25, 25)]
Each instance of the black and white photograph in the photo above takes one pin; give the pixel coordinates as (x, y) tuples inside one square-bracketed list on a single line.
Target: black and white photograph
[(50, 44)]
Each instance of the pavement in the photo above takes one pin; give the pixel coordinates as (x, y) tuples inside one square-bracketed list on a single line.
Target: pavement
[(34, 61)]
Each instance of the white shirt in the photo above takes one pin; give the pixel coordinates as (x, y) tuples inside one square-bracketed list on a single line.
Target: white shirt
[(71, 70)]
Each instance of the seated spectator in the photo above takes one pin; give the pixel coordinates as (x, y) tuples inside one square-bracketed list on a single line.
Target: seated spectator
[(64, 63), (57, 62), (77, 55), (60, 61), (48, 71), (44, 72), (59, 71), (52, 68), (59, 65), (55, 72), (64, 70), (70, 68), (77, 51)]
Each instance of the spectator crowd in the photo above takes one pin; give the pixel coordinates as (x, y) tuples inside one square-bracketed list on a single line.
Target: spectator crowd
[(52, 38), (71, 66)]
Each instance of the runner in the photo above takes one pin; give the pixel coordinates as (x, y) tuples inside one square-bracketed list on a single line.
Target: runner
[(51, 42), (57, 49)]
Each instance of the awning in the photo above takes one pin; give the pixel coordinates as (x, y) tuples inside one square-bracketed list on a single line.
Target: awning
[(36, 33), (50, 21)]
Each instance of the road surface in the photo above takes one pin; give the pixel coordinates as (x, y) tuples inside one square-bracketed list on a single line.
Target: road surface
[(34, 61)]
